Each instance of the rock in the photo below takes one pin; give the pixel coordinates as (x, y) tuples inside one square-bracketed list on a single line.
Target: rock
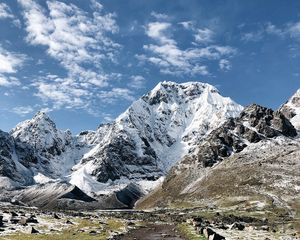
[(130, 224), (14, 220), (1, 221), (33, 230), (32, 219), (22, 213), (14, 214), (23, 221), (238, 226), (69, 222), (216, 236), (93, 232), (208, 232), (56, 216), (264, 228), (222, 226), (197, 222)]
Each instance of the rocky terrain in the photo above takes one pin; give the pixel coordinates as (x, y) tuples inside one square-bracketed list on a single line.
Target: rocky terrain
[(197, 223)]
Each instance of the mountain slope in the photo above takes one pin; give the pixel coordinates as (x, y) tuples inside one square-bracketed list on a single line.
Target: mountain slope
[(12, 173), (252, 159)]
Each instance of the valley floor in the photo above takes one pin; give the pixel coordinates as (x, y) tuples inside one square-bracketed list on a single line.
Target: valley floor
[(30, 223)]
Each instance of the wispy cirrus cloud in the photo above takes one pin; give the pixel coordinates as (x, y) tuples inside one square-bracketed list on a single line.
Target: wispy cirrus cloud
[(201, 35), (137, 82), (115, 95), (225, 65), (10, 62), (288, 30), (8, 81), (166, 54), (160, 16), (23, 110), (79, 41), (5, 11)]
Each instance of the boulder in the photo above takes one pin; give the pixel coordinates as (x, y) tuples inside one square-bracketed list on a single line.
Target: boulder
[(238, 226), (33, 230), (32, 219)]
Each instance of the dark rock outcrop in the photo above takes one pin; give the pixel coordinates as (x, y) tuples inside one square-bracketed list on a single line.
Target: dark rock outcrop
[(130, 195), (254, 124)]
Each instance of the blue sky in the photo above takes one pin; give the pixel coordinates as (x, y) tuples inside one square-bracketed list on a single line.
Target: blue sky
[(85, 61)]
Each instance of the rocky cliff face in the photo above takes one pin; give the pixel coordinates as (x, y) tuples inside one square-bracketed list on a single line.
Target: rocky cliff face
[(254, 124)]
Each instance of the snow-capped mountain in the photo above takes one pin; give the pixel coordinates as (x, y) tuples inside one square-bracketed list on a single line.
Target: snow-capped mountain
[(157, 130), (132, 155), (140, 146), (291, 109), (49, 153)]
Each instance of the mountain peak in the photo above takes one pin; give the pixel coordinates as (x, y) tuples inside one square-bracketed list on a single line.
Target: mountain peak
[(168, 91), (295, 99), (41, 114), (40, 121), (291, 109)]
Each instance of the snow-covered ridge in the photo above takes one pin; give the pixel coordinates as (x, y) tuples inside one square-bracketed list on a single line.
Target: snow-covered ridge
[(291, 109), (140, 146)]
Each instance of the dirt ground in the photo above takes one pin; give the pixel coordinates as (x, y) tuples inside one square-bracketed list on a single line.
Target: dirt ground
[(153, 232)]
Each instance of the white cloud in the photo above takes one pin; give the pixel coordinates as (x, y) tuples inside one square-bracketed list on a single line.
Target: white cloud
[(61, 94), (201, 35), (5, 11), (8, 81), (225, 65), (294, 30), (187, 25), (171, 59), (204, 35), (107, 117), (291, 30), (160, 16), (116, 94), (22, 110), (9, 61), (79, 41), (157, 31), (252, 36), (272, 29), (137, 82)]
